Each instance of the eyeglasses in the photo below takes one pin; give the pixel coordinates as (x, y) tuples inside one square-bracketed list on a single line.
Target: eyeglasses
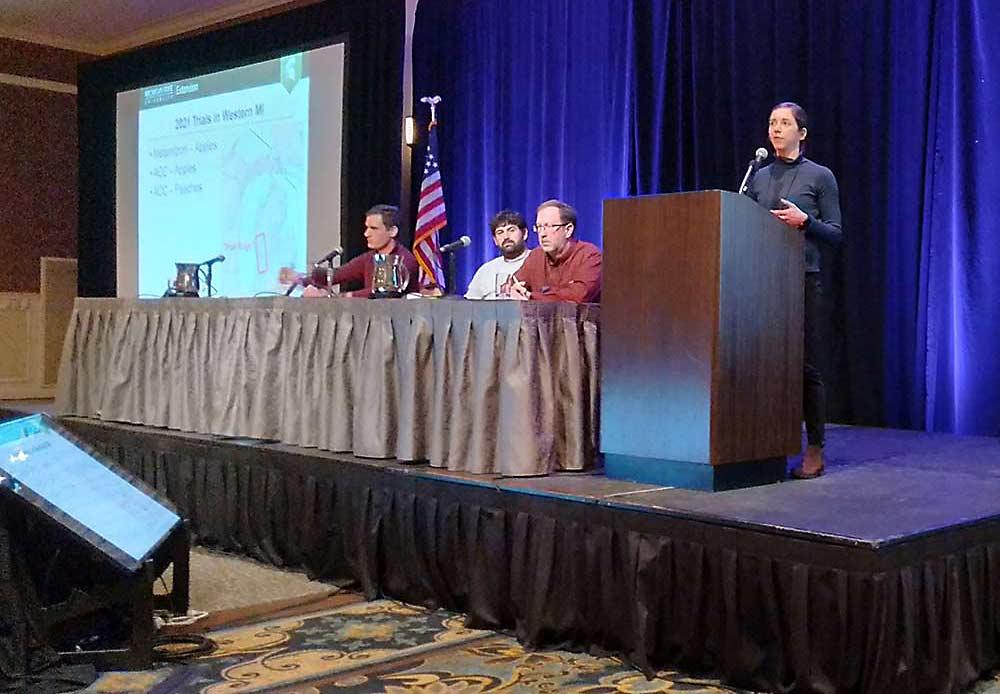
[(539, 228)]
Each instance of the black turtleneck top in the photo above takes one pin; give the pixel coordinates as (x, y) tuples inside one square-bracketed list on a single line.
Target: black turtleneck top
[(813, 189)]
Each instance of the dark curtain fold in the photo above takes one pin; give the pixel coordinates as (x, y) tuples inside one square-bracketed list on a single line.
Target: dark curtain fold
[(768, 614), (606, 98), (961, 187)]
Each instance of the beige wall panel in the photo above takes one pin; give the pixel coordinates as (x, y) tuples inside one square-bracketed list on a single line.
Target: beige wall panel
[(18, 318), (58, 292)]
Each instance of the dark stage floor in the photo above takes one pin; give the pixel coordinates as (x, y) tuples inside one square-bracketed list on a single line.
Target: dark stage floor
[(881, 486)]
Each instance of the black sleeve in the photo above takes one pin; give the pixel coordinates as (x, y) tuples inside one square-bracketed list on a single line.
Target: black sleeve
[(826, 227), (753, 189)]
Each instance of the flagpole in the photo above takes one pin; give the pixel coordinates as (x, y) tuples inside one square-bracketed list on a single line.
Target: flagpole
[(431, 215), (450, 280)]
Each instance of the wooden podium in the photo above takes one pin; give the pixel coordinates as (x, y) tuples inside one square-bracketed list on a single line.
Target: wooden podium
[(701, 341)]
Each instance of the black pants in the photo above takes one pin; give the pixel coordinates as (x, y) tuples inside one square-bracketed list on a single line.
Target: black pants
[(813, 391)]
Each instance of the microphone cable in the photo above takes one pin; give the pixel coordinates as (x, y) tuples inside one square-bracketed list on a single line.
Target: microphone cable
[(182, 646)]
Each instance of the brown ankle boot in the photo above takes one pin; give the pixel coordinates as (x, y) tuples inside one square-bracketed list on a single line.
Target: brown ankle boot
[(812, 464)]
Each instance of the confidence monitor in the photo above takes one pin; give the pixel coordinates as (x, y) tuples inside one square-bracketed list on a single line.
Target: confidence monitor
[(43, 465)]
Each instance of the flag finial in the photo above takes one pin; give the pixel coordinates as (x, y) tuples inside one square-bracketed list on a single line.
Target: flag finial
[(432, 101)]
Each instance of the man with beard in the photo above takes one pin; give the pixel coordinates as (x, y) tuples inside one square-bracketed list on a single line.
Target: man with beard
[(510, 232)]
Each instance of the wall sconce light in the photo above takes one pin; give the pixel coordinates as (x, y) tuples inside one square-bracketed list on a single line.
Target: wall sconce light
[(410, 130)]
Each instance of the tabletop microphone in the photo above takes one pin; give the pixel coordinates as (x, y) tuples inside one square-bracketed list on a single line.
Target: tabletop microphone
[(455, 245), (758, 158), (339, 250)]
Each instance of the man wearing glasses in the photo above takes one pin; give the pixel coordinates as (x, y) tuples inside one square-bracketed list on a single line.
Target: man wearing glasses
[(510, 232), (562, 268)]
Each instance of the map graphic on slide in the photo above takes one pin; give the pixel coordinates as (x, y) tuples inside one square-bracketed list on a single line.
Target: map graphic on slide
[(227, 172)]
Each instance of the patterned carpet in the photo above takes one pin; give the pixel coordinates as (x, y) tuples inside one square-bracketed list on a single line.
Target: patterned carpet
[(349, 646), (386, 646)]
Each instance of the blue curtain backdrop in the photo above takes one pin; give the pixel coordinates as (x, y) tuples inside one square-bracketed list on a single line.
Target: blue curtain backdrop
[(587, 99), (535, 106)]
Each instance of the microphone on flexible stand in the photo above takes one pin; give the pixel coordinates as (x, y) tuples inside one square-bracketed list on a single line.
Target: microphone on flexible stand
[(456, 245), (758, 158), (450, 249), (207, 264), (339, 250)]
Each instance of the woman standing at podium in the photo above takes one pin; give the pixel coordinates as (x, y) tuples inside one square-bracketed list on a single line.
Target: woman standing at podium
[(803, 195)]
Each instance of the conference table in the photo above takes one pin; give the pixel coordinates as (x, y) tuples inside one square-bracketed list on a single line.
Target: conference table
[(492, 387)]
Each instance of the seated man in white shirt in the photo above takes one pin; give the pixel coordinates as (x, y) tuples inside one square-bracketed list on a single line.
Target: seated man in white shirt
[(510, 232)]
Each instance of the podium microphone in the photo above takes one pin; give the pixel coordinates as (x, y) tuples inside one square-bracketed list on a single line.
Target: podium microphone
[(456, 245), (339, 250), (213, 261), (758, 158)]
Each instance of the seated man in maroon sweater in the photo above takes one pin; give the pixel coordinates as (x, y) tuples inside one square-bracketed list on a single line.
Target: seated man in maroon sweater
[(381, 228), (561, 268)]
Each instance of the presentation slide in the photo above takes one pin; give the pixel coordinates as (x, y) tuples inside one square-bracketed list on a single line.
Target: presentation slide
[(240, 169), (67, 483)]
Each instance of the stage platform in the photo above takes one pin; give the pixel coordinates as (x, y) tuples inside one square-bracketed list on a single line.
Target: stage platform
[(881, 576)]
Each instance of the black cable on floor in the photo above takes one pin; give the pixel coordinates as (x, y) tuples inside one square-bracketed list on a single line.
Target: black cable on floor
[(182, 647)]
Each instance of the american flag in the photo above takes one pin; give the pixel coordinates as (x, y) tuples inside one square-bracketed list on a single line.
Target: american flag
[(431, 217)]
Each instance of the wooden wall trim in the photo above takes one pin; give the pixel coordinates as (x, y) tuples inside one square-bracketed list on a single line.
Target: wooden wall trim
[(35, 83)]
